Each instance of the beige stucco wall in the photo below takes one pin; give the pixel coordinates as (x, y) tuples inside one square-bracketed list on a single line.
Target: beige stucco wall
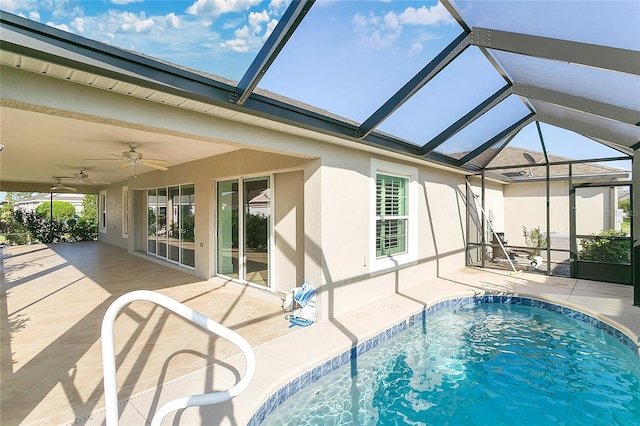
[(114, 216), (288, 230), (525, 205), (347, 235)]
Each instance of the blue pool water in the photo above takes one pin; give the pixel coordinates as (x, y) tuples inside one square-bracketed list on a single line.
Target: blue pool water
[(481, 364)]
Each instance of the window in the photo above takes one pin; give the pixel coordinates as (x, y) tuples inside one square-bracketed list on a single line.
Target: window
[(394, 216), (102, 211), (125, 212), (391, 215)]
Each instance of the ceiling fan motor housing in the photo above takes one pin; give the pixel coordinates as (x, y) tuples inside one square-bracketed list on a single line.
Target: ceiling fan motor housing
[(132, 155)]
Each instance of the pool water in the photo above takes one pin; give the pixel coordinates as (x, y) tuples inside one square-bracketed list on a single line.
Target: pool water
[(483, 364)]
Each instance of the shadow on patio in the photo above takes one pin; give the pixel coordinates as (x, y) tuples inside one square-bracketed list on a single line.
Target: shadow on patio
[(52, 302)]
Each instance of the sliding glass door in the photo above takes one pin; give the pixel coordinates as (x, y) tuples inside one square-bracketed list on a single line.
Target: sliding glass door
[(171, 224), (244, 229), (228, 256)]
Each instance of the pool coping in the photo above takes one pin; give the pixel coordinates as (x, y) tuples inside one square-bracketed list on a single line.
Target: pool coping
[(314, 374)]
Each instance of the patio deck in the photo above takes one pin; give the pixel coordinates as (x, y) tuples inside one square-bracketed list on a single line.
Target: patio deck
[(53, 298)]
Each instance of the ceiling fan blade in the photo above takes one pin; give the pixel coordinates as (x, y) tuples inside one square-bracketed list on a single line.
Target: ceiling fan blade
[(68, 188), (156, 161), (155, 166), (124, 165), (99, 182)]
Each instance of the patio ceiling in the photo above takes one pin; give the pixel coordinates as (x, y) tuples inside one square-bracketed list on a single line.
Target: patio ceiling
[(574, 83)]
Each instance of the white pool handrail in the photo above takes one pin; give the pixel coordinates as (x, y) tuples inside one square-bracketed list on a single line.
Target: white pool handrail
[(109, 359)]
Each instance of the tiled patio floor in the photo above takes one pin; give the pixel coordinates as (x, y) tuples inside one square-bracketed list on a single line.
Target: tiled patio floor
[(53, 299)]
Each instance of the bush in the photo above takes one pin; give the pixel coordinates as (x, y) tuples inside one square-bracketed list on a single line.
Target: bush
[(535, 238), (82, 230), (61, 210), (605, 249)]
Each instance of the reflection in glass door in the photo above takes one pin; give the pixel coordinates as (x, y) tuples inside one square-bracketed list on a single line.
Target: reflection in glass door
[(161, 222), (228, 261), (257, 213), (151, 221), (244, 233), (187, 225), (171, 224), (173, 213)]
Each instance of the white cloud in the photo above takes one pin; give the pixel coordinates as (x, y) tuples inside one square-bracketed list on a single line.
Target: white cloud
[(78, 24), (434, 15), (123, 2), (173, 20), (277, 5), (34, 16), (132, 23), (215, 8), (270, 27), (257, 19), (391, 21), (243, 32), (206, 23), (62, 27), (415, 49), (374, 32), (237, 45)]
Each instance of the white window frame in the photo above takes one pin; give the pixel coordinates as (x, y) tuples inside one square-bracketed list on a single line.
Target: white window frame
[(410, 256), (125, 212), (102, 211)]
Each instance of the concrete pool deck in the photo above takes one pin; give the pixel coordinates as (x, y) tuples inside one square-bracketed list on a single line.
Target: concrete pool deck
[(150, 357)]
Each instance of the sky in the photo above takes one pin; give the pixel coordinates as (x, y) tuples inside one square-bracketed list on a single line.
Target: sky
[(349, 57)]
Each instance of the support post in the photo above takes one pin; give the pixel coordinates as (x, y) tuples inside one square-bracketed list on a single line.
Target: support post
[(635, 228), (482, 221)]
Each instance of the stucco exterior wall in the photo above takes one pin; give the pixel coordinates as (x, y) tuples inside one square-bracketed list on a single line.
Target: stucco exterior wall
[(288, 231), (114, 216), (348, 278)]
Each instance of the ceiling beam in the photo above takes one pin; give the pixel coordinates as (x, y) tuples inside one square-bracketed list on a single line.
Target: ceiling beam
[(591, 130), (468, 118), (437, 64), (604, 57), (287, 25), (514, 128), (577, 103)]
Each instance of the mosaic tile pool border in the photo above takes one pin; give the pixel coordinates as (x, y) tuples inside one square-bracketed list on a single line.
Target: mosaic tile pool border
[(316, 373)]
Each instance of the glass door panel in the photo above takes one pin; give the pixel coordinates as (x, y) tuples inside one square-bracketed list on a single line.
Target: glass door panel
[(173, 219), (228, 230), (151, 221), (187, 224), (162, 222), (257, 208)]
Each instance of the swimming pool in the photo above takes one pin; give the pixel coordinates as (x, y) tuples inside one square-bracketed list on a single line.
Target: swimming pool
[(467, 362)]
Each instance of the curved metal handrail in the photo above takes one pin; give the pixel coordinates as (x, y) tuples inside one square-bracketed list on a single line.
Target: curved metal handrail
[(109, 359)]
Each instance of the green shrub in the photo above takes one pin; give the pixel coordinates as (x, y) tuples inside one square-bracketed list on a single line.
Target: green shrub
[(82, 230), (605, 249), (535, 238), (61, 210)]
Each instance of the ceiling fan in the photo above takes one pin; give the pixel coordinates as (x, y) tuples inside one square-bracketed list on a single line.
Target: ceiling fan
[(133, 157), (58, 185), (83, 177)]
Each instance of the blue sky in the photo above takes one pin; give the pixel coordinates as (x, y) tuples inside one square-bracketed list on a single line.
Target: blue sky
[(347, 57)]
